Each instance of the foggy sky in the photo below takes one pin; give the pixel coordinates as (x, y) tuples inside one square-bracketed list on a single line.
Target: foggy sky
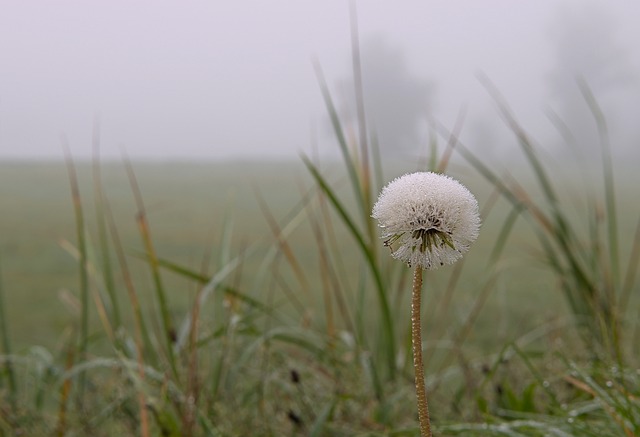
[(234, 79)]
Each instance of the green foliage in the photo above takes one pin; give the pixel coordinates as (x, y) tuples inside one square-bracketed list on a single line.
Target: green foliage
[(587, 266)]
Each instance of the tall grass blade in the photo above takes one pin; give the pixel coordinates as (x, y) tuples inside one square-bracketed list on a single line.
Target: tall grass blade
[(65, 391), (613, 285), (107, 270), (451, 142), (387, 321), (6, 349), (168, 331), (359, 97), (505, 231), (143, 340), (378, 172), (216, 279), (463, 332), (329, 276), (82, 261), (562, 232), (523, 140), (282, 242), (365, 162), (342, 142), (98, 300), (334, 251), (557, 237), (609, 190), (480, 166)]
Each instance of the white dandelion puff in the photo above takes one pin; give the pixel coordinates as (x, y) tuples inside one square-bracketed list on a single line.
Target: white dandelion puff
[(427, 219)]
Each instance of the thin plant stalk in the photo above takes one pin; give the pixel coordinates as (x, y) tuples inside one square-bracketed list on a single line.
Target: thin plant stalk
[(365, 173), (169, 332), (418, 366), (6, 346), (388, 328), (142, 340), (82, 247), (99, 195), (65, 391)]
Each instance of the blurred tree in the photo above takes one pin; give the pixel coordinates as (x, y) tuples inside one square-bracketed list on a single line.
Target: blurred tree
[(587, 49), (396, 100)]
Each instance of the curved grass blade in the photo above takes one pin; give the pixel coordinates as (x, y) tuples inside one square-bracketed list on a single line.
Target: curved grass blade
[(99, 195), (169, 332), (342, 142), (82, 260), (388, 326), (607, 167)]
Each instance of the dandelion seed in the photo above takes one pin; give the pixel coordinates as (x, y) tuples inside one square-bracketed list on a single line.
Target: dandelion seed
[(428, 220)]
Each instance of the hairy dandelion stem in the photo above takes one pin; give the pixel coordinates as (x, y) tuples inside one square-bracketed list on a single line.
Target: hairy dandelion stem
[(418, 367)]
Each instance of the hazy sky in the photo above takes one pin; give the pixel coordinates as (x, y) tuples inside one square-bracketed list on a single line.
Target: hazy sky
[(219, 79)]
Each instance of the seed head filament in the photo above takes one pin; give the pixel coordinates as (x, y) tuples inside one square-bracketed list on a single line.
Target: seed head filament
[(430, 238)]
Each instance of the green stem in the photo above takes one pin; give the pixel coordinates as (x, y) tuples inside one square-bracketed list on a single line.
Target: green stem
[(84, 275), (418, 367)]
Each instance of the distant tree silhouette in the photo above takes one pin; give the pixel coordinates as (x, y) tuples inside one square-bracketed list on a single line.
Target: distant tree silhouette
[(587, 51), (396, 100)]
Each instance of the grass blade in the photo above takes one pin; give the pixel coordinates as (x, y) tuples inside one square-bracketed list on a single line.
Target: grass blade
[(143, 341), (387, 321), (82, 260), (6, 349), (342, 142), (217, 279), (282, 242), (607, 167), (107, 270), (169, 333)]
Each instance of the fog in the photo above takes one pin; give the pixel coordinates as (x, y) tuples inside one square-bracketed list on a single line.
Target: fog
[(235, 80)]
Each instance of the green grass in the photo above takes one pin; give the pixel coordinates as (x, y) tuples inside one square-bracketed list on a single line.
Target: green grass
[(246, 298), (249, 365), (187, 206)]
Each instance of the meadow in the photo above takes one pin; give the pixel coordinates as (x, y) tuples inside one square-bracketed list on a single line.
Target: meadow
[(256, 298)]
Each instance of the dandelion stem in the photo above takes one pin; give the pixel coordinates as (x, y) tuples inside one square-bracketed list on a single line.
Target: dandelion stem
[(416, 340)]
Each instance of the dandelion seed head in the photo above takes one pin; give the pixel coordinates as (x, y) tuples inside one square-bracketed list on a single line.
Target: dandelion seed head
[(427, 219)]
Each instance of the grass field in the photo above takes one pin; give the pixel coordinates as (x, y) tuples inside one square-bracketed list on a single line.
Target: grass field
[(256, 298), (290, 343), (187, 206)]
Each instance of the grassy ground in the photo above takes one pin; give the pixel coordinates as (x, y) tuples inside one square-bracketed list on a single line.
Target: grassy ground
[(274, 353), (237, 299), (187, 206)]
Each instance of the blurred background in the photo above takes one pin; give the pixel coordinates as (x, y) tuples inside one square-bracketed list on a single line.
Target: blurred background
[(235, 80)]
